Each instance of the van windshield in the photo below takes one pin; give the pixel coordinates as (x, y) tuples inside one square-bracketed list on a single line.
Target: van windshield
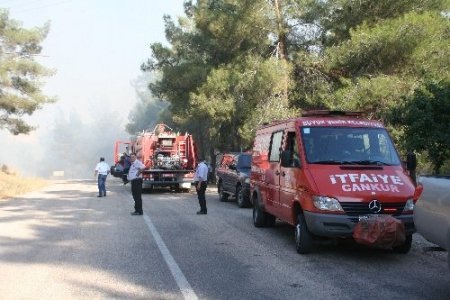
[(348, 145)]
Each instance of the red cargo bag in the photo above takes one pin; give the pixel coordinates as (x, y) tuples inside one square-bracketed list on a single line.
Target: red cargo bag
[(380, 231)]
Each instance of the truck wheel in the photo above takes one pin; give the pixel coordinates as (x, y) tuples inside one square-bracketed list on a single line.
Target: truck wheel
[(112, 170), (405, 247), (259, 216), (303, 238), (222, 195), (240, 198)]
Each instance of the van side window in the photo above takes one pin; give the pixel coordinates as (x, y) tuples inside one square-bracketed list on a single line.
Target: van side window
[(292, 146), (275, 145)]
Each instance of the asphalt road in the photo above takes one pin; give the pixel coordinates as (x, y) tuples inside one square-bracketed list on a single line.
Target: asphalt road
[(65, 243)]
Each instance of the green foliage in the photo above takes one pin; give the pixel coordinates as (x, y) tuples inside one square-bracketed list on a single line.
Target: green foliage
[(235, 64), (336, 18), (182, 68), (313, 82), (213, 35), (426, 120), (233, 27), (20, 74), (239, 97), (375, 96), (415, 43)]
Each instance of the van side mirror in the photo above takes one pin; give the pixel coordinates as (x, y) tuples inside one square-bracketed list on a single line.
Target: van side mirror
[(286, 159), (411, 165), (232, 167), (411, 161)]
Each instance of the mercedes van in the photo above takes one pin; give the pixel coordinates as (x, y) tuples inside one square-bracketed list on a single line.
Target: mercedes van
[(325, 171)]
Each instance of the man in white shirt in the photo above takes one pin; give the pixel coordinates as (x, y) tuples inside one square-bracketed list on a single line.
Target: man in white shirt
[(101, 172), (201, 182), (135, 176)]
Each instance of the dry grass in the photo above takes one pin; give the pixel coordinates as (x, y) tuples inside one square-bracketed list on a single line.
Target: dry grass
[(12, 185)]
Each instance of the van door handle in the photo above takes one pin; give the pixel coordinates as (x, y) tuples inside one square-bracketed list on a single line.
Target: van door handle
[(277, 172), (283, 174)]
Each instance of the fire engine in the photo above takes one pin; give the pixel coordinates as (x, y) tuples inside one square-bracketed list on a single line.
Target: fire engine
[(169, 157)]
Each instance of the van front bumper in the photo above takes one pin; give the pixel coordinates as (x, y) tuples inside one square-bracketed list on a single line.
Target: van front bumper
[(329, 225)]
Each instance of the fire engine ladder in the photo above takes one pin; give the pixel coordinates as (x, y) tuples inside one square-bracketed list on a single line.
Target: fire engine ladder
[(182, 149)]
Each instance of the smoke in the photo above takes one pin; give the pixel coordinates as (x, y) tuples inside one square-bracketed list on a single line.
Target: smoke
[(78, 144), (70, 144), (94, 65), (70, 139)]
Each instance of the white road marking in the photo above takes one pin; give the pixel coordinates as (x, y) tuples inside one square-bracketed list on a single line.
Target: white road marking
[(181, 280)]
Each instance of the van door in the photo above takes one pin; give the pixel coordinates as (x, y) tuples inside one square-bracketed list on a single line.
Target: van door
[(289, 176), (272, 173)]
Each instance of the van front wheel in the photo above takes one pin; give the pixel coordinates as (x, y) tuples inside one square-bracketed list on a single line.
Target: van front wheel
[(405, 247), (303, 238)]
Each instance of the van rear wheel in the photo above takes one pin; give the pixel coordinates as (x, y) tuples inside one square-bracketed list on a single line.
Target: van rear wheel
[(303, 238)]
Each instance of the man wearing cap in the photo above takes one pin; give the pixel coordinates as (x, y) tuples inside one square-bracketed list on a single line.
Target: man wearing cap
[(101, 172)]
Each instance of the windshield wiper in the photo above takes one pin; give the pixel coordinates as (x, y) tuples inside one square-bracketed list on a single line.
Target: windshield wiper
[(370, 162), (331, 162), (350, 162)]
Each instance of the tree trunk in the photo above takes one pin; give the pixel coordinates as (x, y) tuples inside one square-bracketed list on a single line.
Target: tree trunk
[(283, 52), (282, 40)]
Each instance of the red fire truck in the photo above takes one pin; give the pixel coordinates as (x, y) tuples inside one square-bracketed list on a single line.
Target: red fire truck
[(170, 157)]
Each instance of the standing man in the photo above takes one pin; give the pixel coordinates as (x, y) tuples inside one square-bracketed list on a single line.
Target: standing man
[(101, 172), (135, 176), (201, 177)]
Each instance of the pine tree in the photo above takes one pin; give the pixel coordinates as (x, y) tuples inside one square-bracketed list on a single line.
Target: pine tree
[(20, 74)]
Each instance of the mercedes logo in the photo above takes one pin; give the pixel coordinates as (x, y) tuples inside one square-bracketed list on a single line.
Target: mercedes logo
[(375, 206)]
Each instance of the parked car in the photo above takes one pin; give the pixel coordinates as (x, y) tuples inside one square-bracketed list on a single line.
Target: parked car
[(233, 177), (432, 211), (219, 157), (326, 171)]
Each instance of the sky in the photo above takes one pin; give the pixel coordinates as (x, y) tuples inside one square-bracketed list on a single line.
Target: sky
[(96, 48)]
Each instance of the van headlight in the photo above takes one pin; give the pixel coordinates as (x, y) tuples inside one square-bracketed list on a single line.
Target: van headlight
[(409, 206), (327, 203)]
